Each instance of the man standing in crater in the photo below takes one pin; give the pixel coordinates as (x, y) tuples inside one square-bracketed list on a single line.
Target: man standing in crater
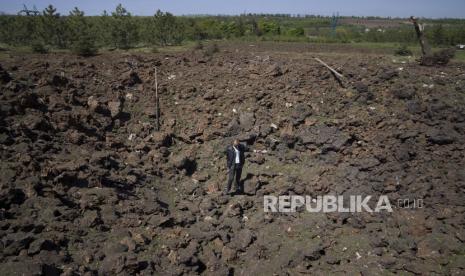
[(235, 161)]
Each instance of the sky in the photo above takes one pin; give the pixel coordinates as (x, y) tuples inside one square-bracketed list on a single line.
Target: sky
[(392, 8)]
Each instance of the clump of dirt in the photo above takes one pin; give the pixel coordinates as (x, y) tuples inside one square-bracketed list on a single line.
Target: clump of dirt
[(88, 186), (441, 57), (4, 76)]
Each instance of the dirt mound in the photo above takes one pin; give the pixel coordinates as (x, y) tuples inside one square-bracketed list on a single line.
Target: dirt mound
[(441, 57), (88, 186), (4, 76)]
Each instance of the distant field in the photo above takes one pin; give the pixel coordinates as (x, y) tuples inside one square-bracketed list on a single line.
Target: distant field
[(292, 46), (340, 48), (460, 56)]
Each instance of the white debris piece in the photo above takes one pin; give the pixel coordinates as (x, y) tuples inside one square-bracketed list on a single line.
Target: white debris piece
[(131, 136), (129, 96), (372, 108), (358, 255), (428, 86), (400, 68), (234, 110), (274, 126), (171, 77), (288, 105)]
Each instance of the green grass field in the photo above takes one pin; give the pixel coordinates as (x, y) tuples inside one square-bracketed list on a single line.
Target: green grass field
[(381, 48)]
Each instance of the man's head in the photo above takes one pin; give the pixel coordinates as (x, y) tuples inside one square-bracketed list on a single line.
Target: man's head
[(236, 142)]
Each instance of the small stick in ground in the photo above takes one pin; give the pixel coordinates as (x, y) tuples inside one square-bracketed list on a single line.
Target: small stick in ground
[(157, 101)]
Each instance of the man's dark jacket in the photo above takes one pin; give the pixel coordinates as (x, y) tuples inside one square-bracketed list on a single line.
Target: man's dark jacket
[(231, 155)]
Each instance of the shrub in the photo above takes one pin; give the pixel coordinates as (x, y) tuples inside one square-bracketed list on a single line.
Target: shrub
[(84, 47), (211, 49), (441, 57), (403, 50), (198, 45), (39, 47), (296, 31)]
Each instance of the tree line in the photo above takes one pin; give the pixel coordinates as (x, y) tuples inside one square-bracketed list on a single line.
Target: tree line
[(120, 29)]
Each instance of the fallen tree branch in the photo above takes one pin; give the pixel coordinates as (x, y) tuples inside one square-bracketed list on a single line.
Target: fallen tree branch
[(340, 78)]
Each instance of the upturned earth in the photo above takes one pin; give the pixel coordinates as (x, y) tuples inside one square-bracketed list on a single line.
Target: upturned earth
[(88, 186)]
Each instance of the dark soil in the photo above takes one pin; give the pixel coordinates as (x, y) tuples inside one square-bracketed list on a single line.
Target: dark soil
[(89, 187)]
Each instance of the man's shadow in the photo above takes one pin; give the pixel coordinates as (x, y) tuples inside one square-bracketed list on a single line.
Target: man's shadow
[(242, 184)]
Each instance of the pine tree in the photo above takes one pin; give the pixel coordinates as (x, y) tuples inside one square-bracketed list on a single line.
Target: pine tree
[(104, 29), (123, 30), (52, 28), (240, 27), (438, 35), (166, 30), (82, 38)]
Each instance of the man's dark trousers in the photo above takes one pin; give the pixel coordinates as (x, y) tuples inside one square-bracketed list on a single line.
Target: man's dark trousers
[(234, 172)]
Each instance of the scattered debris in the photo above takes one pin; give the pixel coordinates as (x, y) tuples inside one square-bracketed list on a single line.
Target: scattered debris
[(82, 157)]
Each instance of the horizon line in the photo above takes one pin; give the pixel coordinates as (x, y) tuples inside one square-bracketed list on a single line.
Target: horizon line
[(293, 15)]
